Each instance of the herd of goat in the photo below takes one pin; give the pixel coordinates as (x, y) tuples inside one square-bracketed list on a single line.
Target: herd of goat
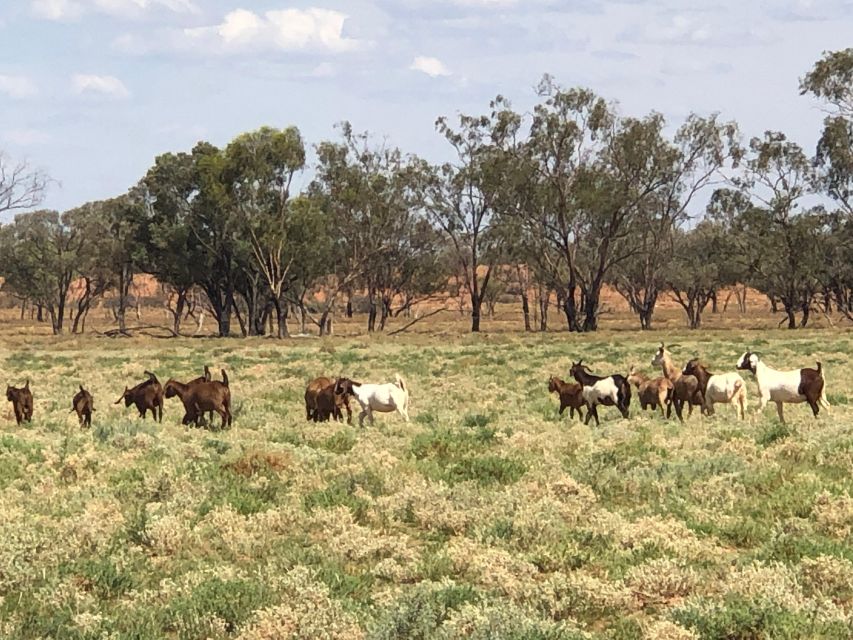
[(327, 399), (693, 386), (324, 399)]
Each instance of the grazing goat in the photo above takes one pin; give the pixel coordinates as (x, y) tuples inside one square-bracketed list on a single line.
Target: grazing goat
[(726, 388), (147, 396), (376, 397), (610, 391), (321, 401), (793, 387), (83, 404), (22, 402), (653, 393), (685, 389), (571, 395), (199, 397)]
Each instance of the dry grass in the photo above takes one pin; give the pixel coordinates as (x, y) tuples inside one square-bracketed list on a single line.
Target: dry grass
[(486, 517)]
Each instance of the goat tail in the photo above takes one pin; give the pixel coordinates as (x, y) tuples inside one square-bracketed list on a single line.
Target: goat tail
[(224, 378), (400, 382), (824, 402)]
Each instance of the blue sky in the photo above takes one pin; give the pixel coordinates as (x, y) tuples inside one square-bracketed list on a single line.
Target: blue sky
[(92, 90)]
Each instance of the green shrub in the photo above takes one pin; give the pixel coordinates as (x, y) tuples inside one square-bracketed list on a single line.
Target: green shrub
[(419, 613)]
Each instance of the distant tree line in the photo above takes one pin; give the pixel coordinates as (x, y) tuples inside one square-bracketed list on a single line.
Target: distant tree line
[(560, 203)]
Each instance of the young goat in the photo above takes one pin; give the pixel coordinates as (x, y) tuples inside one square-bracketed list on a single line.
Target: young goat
[(685, 389), (652, 393), (571, 395), (376, 397), (199, 397), (321, 401), (724, 388), (611, 391), (147, 396), (83, 404), (792, 387), (22, 402)]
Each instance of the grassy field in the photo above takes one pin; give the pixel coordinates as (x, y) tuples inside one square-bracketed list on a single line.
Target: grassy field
[(487, 516)]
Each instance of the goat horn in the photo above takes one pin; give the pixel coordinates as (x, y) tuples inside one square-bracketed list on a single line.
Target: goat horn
[(122, 396)]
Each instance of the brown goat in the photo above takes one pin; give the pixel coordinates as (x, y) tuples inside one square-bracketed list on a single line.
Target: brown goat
[(686, 389), (22, 402), (323, 403), (571, 395), (147, 396), (655, 393), (84, 404), (198, 397)]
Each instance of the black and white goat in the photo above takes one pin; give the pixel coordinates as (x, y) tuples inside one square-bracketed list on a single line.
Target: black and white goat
[(791, 387), (610, 391)]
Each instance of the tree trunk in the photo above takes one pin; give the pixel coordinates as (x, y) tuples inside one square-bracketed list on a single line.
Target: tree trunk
[(476, 307), (371, 310), (525, 309), (125, 279), (774, 305), (544, 301), (40, 314), (646, 318), (590, 320), (570, 306), (177, 314), (385, 312), (792, 317), (714, 307), (324, 322), (281, 318)]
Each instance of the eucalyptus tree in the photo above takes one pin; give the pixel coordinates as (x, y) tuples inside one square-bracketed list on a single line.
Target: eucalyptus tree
[(192, 211), (685, 166), (174, 255), (115, 252), (463, 198), (693, 272), (566, 135), (40, 257), (783, 237), (21, 185), (831, 81), (258, 174)]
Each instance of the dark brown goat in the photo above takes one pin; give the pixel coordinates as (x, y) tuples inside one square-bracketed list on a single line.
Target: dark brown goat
[(84, 404), (571, 395), (198, 397), (22, 402), (147, 396), (323, 403)]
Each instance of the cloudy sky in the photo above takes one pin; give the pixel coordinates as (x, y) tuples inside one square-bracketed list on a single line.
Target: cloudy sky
[(92, 90)]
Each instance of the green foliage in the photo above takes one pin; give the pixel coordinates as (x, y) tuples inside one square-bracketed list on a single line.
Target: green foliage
[(229, 601), (737, 617), (420, 613)]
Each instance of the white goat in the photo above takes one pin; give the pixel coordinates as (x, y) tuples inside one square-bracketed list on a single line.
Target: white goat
[(719, 388), (792, 387), (383, 398)]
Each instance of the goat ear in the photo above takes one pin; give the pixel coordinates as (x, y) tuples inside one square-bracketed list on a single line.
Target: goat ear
[(27, 385), (81, 389)]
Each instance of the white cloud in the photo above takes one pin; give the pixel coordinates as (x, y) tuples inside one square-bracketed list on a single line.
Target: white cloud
[(284, 29), (25, 137), (17, 86), (323, 70), (103, 85), (433, 67), (56, 9), (70, 9)]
